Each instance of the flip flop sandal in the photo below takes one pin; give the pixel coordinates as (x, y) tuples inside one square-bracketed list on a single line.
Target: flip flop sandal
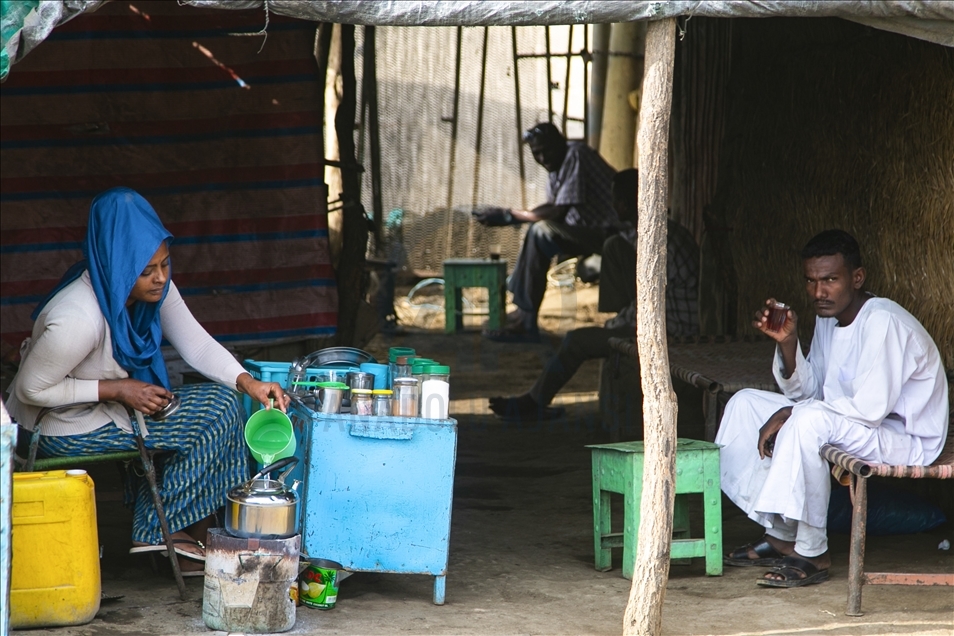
[(181, 552), (142, 549), (790, 568), (768, 555)]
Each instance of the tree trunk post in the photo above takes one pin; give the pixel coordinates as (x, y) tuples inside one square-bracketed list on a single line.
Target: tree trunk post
[(644, 610), (354, 223)]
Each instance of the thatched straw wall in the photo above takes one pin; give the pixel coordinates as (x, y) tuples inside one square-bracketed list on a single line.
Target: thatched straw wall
[(832, 124)]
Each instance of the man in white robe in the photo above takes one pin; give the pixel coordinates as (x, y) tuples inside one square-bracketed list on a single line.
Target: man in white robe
[(872, 385)]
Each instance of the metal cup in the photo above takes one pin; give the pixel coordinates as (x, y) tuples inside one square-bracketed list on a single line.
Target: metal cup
[(361, 380), (330, 399)]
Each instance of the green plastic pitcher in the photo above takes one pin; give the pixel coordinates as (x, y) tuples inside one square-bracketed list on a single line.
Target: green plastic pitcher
[(269, 435)]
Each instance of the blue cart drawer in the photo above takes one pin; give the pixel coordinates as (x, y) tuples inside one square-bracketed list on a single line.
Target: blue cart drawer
[(378, 492)]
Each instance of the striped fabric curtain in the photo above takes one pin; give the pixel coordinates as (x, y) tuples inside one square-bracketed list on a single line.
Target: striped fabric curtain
[(221, 138)]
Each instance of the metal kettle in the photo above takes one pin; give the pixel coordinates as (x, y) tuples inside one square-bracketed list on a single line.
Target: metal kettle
[(264, 508)]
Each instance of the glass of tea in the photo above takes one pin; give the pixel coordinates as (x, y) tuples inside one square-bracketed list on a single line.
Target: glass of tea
[(778, 314)]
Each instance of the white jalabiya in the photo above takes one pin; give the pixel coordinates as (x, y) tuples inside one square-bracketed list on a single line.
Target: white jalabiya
[(875, 388)]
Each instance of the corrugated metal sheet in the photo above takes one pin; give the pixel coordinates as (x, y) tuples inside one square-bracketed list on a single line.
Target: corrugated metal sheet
[(924, 19)]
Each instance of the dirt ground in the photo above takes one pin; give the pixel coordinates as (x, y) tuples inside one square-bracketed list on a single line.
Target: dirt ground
[(521, 553)]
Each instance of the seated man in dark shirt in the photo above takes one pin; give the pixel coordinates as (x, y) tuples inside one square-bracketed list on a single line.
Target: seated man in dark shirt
[(617, 293), (576, 219)]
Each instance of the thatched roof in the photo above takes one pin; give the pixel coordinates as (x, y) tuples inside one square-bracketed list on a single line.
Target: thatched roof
[(815, 141)]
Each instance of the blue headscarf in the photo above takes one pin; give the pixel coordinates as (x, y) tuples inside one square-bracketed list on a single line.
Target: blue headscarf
[(123, 235)]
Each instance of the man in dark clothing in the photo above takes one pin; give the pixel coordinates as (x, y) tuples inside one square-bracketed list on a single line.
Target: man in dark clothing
[(576, 219), (617, 293)]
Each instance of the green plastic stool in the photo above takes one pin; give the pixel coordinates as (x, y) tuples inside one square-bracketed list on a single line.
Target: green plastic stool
[(619, 468), (474, 272)]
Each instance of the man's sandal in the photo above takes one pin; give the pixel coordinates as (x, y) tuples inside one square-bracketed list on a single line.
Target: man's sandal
[(768, 556), (795, 572)]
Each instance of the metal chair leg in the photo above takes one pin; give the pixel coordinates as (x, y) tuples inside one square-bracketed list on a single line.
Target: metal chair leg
[(150, 470), (35, 441)]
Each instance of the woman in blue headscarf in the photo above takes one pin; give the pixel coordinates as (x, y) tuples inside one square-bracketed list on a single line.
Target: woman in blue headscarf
[(96, 342)]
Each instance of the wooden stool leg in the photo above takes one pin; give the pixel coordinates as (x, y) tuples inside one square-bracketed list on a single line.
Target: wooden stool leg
[(496, 305), (451, 302), (680, 518), (631, 517), (602, 519), (680, 524), (602, 522), (712, 513), (856, 553)]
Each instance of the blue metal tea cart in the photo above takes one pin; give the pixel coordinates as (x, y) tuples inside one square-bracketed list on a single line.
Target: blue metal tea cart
[(378, 492)]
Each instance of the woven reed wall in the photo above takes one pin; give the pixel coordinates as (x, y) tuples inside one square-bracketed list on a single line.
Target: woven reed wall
[(832, 124)]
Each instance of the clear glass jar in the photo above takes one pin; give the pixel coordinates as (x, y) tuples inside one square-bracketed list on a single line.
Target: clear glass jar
[(402, 368), (393, 354), (407, 392), (382, 402), (362, 402), (435, 392), (296, 375)]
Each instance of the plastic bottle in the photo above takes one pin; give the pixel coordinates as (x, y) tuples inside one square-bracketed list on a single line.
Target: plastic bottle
[(435, 392)]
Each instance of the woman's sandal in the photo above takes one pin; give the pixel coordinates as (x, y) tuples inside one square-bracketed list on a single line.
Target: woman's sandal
[(795, 572), (195, 556), (142, 548), (768, 555)]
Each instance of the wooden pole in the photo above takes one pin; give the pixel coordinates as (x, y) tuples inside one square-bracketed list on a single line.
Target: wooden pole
[(370, 92), (644, 610), (624, 72), (519, 116), (594, 123), (322, 50), (354, 223)]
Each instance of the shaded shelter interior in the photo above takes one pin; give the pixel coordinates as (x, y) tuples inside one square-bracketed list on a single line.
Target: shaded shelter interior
[(826, 123)]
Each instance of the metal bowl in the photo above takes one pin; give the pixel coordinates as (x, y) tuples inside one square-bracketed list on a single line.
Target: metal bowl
[(338, 357), (325, 374)]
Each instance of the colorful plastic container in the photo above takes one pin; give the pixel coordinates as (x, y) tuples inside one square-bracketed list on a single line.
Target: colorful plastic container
[(55, 578)]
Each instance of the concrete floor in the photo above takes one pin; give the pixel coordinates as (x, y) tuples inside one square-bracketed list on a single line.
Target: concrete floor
[(521, 555)]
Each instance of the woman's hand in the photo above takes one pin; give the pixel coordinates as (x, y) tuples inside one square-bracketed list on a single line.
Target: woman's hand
[(262, 391), (136, 394), (770, 429)]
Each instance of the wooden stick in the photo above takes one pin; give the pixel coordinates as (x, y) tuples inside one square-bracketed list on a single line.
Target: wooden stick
[(354, 223), (644, 610)]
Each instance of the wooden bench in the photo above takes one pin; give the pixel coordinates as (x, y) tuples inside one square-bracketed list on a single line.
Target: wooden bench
[(858, 472)]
